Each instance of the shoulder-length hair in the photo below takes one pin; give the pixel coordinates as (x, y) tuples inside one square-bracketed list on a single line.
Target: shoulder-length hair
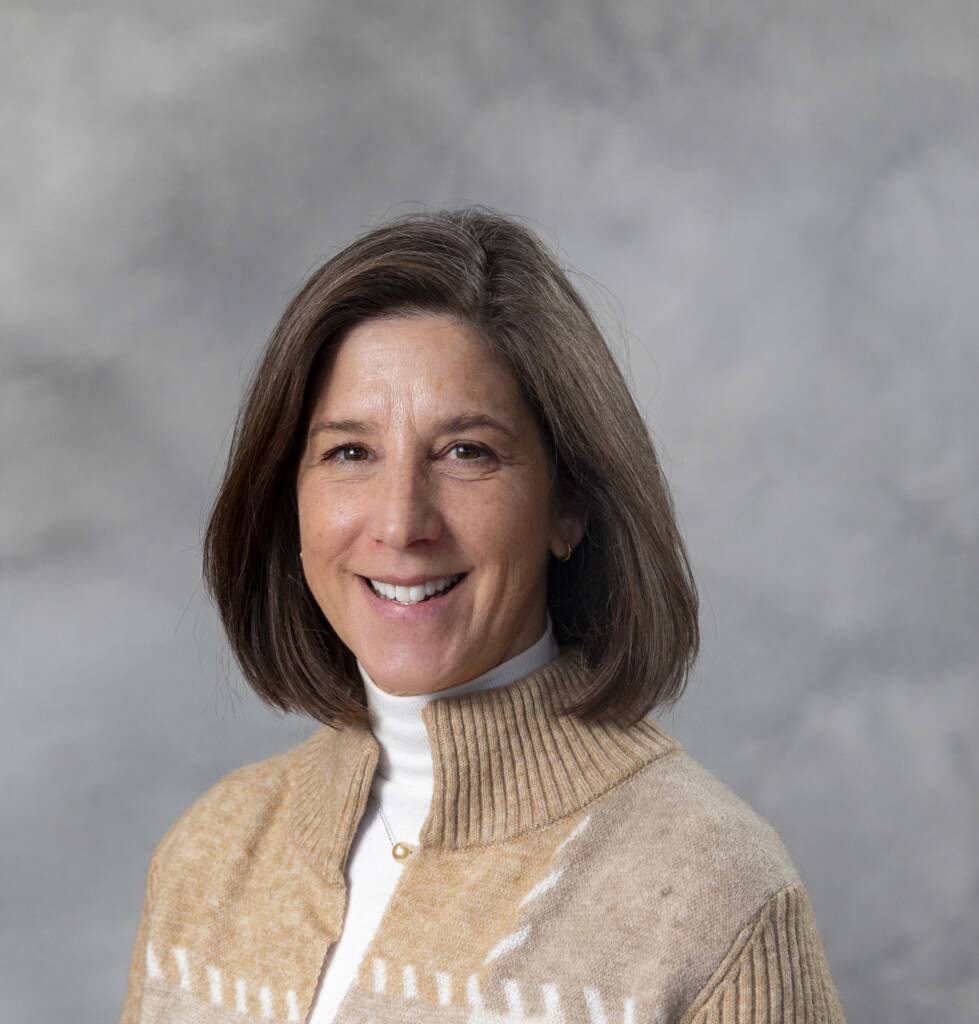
[(627, 594)]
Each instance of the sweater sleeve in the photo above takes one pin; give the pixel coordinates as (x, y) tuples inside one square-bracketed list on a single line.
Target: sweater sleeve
[(137, 962), (775, 971)]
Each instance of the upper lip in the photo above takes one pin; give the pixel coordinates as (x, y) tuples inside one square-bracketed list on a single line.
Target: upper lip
[(412, 581)]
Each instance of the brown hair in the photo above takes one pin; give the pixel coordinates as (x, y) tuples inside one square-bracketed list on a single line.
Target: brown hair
[(627, 594)]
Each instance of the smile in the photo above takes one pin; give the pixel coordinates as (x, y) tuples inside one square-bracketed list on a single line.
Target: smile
[(420, 594)]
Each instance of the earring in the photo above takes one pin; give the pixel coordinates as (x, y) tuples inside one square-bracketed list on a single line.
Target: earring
[(567, 556)]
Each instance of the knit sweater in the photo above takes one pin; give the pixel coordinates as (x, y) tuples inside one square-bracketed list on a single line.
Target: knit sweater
[(566, 872), (403, 784)]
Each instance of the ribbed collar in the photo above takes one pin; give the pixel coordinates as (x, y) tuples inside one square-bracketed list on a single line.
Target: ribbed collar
[(405, 758), (504, 763)]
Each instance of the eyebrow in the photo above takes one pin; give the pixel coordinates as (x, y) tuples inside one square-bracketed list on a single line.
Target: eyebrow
[(447, 425)]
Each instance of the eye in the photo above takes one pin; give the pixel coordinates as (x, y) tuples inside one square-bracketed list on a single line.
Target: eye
[(476, 447), (329, 456), (482, 453)]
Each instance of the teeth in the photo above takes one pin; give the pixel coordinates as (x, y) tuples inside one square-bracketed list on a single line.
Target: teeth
[(413, 595)]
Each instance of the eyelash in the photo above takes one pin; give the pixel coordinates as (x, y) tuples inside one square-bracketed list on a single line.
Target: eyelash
[(328, 456)]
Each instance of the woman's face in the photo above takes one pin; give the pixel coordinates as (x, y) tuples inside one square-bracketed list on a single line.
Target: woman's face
[(390, 489)]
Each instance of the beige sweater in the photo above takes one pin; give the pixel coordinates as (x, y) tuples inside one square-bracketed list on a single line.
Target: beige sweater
[(567, 873)]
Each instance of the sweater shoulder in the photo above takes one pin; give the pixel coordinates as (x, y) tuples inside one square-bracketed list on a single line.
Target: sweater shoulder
[(686, 812), (681, 845), (247, 800), (686, 862)]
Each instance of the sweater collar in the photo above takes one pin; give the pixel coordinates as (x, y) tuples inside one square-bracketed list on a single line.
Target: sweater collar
[(396, 719), (504, 763)]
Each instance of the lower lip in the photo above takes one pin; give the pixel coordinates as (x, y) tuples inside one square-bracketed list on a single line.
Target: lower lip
[(421, 612)]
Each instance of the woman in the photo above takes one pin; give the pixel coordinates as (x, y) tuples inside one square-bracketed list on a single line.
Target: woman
[(443, 533)]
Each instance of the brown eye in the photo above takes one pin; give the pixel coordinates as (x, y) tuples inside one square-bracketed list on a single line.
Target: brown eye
[(475, 447), (330, 455)]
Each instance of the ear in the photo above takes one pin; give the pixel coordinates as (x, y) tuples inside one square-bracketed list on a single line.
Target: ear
[(569, 528)]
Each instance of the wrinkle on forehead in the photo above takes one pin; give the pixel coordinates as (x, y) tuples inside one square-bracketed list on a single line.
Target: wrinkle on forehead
[(438, 367)]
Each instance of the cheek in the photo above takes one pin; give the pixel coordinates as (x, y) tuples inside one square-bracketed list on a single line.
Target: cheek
[(325, 522), (508, 520)]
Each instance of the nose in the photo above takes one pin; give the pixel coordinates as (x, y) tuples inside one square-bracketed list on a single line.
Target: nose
[(405, 507)]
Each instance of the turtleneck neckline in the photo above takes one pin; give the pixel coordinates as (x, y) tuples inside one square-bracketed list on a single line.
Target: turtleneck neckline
[(504, 763), (405, 755)]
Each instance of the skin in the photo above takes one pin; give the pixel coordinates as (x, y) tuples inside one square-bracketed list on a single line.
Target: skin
[(404, 498)]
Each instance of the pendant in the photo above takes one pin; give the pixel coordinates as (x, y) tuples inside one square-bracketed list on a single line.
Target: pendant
[(402, 851)]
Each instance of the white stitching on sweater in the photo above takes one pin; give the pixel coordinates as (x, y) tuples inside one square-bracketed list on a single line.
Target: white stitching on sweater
[(241, 999), (513, 998), (520, 936), (265, 1000), (573, 834), (542, 886), (443, 983), (215, 984), (292, 1005), (596, 1011), (511, 941), (152, 964), (180, 955), (552, 999), (473, 995), (516, 1009), (214, 979), (552, 1009), (379, 975)]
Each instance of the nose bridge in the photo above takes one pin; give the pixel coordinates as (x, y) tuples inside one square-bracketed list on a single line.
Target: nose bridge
[(405, 505)]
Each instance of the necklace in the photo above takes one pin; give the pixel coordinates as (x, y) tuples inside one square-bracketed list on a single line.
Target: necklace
[(400, 851)]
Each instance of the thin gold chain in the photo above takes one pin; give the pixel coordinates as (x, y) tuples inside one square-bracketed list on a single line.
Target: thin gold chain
[(384, 819), (400, 851)]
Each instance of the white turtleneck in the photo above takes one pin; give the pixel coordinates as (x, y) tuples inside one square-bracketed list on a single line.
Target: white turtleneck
[(403, 784)]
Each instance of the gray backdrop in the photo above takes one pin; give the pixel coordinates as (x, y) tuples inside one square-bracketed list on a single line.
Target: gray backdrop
[(773, 208)]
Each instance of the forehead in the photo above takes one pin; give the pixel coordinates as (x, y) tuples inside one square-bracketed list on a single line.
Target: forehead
[(416, 362)]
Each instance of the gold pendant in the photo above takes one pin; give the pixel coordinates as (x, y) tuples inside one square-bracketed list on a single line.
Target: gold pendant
[(402, 851)]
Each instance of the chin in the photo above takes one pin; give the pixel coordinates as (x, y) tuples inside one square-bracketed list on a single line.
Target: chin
[(410, 671)]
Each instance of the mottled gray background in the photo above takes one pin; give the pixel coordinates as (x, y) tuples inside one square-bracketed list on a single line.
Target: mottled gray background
[(773, 208)]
